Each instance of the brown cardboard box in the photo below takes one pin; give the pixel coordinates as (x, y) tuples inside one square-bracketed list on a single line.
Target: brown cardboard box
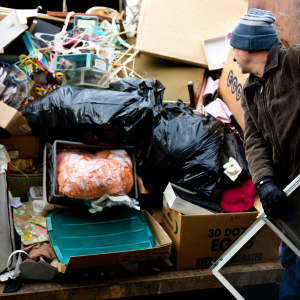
[(12, 121), (200, 239), (231, 85), (161, 251), (32, 270), (27, 145), (176, 29)]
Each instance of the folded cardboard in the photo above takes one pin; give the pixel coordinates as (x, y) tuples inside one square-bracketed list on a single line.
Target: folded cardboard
[(173, 75), (231, 85), (12, 121), (200, 239), (175, 29), (26, 145), (181, 205)]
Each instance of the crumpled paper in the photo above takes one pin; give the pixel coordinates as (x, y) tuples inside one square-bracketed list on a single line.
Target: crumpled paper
[(232, 169)]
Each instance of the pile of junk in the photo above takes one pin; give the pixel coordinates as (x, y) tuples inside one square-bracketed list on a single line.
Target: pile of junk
[(93, 159)]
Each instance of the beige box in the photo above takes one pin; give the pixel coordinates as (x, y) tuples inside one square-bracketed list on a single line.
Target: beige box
[(231, 85), (12, 121), (198, 240), (27, 145), (175, 29)]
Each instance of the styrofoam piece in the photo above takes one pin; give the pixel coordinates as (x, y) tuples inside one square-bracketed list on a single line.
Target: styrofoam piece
[(216, 51)]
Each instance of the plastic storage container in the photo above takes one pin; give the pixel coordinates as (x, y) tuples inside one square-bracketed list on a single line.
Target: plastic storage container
[(81, 22), (35, 199), (60, 145), (67, 62), (86, 77), (113, 230)]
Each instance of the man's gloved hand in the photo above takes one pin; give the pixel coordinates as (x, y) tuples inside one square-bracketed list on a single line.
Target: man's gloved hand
[(273, 198)]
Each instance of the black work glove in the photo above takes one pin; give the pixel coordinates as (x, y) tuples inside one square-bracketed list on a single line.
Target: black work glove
[(273, 198)]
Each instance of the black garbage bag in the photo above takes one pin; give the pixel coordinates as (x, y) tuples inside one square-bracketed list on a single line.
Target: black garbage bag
[(185, 149), (124, 114)]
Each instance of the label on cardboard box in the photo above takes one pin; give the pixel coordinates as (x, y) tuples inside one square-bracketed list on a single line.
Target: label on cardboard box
[(200, 239), (25, 128), (12, 121), (231, 86)]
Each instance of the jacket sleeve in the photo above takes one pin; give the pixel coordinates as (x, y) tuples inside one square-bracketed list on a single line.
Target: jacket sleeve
[(258, 152)]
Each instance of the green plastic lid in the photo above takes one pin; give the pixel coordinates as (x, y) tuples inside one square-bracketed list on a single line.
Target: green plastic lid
[(113, 230)]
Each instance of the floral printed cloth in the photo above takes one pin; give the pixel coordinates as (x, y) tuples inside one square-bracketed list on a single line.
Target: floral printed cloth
[(31, 229)]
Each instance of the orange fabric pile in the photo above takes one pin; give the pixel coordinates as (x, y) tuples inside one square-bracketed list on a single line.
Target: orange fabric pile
[(84, 175)]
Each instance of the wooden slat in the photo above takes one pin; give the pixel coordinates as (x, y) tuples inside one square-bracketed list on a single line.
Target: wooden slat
[(64, 15), (156, 283)]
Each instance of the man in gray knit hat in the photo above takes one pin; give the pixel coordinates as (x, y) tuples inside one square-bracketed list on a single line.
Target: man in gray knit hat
[(271, 104)]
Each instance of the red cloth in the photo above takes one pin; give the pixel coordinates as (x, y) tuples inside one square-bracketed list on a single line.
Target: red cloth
[(239, 198)]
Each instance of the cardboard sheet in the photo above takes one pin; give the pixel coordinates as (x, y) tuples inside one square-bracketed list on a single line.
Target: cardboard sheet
[(231, 85), (175, 29), (173, 75)]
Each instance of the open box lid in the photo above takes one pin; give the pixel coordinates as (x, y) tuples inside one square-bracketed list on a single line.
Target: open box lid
[(12, 121)]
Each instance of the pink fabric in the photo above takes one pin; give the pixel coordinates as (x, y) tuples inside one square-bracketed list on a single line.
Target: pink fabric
[(219, 110), (239, 198), (211, 87)]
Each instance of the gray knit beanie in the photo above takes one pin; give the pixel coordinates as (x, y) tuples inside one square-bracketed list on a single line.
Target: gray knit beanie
[(255, 32)]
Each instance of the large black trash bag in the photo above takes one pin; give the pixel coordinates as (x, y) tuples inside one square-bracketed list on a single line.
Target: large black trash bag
[(185, 149), (123, 114)]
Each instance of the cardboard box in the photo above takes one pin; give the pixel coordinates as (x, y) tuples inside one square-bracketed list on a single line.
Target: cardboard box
[(175, 29), (178, 204), (12, 121), (161, 251), (19, 185), (231, 85), (32, 270), (27, 145), (200, 239)]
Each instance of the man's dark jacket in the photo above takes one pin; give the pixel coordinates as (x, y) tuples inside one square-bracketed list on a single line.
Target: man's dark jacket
[(272, 117)]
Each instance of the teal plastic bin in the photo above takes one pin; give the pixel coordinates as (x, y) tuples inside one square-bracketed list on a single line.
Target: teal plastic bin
[(116, 229)]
